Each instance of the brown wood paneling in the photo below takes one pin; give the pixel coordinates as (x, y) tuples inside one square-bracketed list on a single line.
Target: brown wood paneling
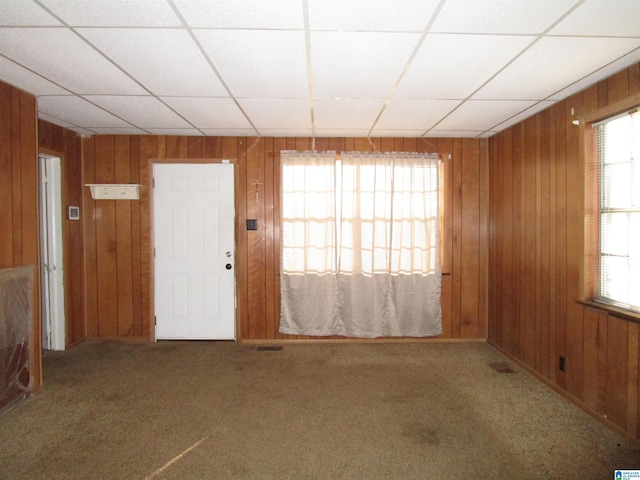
[(124, 245), (117, 243), (19, 235), (470, 238), (89, 240), (63, 143), (537, 232)]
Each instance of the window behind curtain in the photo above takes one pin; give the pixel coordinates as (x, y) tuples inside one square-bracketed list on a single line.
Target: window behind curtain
[(381, 216), (619, 211)]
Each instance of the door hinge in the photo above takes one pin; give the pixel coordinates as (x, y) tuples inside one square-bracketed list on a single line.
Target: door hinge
[(155, 320), (153, 183)]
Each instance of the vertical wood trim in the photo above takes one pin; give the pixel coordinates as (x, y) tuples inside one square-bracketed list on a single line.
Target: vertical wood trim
[(124, 278)]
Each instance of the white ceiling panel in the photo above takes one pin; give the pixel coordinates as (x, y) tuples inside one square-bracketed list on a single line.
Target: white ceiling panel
[(482, 114), (381, 132), (79, 112), (118, 131), (552, 63), (144, 112), (190, 132), (338, 133), (414, 114), (229, 132), (435, 133), (604, 72), (57, 121), (72, 64), (14, 74), (283, 14), (283, 113), (276, 58), (500, 16), (371, 15), (110, 13), (454, 66), (599, 17), (24, 13), (166, 62), (346, 113), (209, 113), (358, 65), (309, 67), (538, 107), (285, 132)]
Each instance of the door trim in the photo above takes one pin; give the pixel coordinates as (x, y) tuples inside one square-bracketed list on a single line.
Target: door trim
[(149, 184)]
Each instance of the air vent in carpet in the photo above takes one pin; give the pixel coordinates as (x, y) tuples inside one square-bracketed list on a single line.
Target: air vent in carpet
[(269, 348)]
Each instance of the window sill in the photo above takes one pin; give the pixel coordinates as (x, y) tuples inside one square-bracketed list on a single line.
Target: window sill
[(611, 310)]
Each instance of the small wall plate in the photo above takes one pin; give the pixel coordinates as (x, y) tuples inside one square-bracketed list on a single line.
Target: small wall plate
[(73, 213)]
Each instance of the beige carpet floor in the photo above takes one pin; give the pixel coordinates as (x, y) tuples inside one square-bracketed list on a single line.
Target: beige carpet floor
[(217, 410)]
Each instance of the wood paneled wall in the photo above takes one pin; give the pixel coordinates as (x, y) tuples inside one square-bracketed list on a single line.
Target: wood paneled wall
[(117, 233), (536, 253), (19, 196), (60, 142)]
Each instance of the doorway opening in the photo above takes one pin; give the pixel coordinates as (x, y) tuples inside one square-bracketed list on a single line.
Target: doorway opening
[(51, 253)]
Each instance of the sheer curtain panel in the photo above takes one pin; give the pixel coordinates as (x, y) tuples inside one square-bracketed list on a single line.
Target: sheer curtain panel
[(360, 245)]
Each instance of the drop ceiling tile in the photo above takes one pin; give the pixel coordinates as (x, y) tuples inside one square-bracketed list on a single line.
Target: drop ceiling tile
[(26, 80), (23, 13), (454, 133), (414, 114), (500, 16), (381, 132), (107, 13), (72, 64), (602, 73), (289, 132), (554, 63), (277, 58), (166, 62), (345, 132), (538, 107), (283, 14), (209, 113), (79, 112), (57, 121), (366, 15), (358, 65), (229, 132), (480, 115), (346, 113), (144, 112), (596, 17), (454, 66), (118, 131), (189, 132), (277, 114)]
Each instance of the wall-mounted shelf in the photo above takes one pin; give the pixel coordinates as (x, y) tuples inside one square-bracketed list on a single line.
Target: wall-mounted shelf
[(114, 191)]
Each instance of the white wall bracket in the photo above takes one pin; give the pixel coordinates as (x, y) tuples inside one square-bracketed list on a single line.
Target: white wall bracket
[(114, 191)]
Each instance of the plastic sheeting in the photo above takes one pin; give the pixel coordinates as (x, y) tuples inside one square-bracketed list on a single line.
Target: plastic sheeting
[(16, 313)]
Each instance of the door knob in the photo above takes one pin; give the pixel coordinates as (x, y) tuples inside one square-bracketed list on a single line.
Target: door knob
[(228, 266)]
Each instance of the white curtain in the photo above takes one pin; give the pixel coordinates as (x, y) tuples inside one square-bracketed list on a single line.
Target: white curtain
[(360, 245)]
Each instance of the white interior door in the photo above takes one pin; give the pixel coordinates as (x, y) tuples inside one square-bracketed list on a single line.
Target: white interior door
[(51, 263), (194, 237)]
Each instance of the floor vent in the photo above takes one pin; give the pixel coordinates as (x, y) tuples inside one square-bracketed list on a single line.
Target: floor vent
[(269, 348), (501, 367)]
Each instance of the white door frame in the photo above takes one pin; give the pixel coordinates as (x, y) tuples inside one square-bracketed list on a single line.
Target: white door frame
[(150, 185), (51, 251)]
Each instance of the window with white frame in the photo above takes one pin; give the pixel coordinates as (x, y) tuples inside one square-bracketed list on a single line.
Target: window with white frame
[(618, 142)]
